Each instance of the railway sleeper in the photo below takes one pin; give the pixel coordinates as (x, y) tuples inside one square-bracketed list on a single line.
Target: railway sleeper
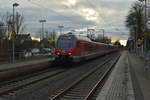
[(68, 97)]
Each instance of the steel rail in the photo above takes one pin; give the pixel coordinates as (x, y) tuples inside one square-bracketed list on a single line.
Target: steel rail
[(89, 96), (61, 94), (23, 77), (20, 84)]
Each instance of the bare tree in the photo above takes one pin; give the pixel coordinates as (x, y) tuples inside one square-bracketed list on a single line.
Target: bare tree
[(3, 29), (8, 20), (52, 35), (19, 22), (135, 19)]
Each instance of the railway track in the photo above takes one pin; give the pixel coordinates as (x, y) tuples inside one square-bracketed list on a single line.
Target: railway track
[(10, 86), (14, 85), (21, 85), (86, 86)]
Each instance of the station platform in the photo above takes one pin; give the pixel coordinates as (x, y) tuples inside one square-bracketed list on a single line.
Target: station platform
[(128, 81), (9, 66)]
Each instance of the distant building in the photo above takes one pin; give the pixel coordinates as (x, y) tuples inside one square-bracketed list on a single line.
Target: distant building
[(31, 44), (21, 38)]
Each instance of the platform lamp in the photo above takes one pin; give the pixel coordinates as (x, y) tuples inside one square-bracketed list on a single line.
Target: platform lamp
[(13, 32)]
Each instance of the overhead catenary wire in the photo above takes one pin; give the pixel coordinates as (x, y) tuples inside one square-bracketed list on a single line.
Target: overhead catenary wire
[(69, 18), (103, 21), (100, 14), (54, 12), (99, 11)]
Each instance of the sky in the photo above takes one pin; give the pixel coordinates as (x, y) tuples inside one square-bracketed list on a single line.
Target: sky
[(73, 15)]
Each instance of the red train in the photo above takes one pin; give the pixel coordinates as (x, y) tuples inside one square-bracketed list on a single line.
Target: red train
[(77, 48)]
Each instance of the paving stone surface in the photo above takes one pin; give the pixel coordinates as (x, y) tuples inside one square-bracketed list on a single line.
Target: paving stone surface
[(140, 77), (119, 85)]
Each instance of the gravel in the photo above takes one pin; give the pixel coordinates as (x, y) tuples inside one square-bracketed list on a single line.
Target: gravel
[(46, 88)]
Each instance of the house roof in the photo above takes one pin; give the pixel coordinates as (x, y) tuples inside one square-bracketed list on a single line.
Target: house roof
[(22, 37)]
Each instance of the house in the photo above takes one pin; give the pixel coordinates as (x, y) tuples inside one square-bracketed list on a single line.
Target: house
[(21, 38)]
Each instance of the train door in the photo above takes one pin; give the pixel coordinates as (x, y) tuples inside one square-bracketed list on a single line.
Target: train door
[(82, 47)]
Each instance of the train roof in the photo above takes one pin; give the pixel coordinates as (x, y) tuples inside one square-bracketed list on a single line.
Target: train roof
[(84, 38), (78, 37)]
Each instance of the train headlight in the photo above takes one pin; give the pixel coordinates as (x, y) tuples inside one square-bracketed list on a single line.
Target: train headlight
[(58, 53), (69, 53)]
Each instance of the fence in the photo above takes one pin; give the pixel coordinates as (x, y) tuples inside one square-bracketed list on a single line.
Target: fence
[(7, 57)]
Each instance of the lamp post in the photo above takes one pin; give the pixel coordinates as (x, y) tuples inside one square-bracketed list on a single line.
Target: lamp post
[(60, 28), (145, 47), (145, 22), (13, 31), (135, 27), (103, 35), (145, 11), (135, 39), (42, 21)]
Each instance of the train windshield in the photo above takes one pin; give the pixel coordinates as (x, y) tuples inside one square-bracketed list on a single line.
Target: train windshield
[(65, 42)]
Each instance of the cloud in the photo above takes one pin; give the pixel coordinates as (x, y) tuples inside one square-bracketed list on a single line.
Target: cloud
[(73, 14), (69, 3)]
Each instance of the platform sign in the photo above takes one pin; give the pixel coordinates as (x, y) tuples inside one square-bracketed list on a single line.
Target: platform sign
[(145, 33), (130, 40)]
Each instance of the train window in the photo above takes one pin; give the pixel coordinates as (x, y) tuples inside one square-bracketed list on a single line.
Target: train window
[(65, 42)]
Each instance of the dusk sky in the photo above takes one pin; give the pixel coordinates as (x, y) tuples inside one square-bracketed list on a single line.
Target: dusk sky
[(73, 14)]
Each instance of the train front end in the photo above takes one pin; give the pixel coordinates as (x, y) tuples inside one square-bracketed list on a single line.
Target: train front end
[(65, 48)]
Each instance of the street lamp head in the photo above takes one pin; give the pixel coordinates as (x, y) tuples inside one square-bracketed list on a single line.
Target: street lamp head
[(42, 20), (141, 0), (60, 26), (15, 4)]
